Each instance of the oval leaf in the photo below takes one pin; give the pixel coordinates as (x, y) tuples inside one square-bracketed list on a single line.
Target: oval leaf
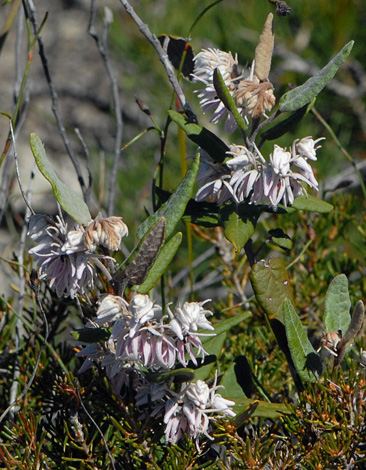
[(271, 285), (303, 94), (161, 263), (238, 227), (304, 356), (263, 409), (67, 198), (174, 208), (337, 305)]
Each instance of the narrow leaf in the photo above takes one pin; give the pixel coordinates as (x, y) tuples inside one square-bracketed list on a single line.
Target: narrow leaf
[(303, 94), (263, 409), (179, 375), (174, 208), (213, 345), (162, 262), (312, 204), (201, 136), (136, 271), (67, 198), (226, 325), (304, 356), (337, 305), (264, 50), (225, 96)]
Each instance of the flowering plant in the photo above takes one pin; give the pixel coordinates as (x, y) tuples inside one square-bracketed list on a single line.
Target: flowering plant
[(158, 372)]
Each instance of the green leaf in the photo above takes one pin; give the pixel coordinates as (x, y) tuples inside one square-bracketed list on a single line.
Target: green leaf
[(239, 223), (68, 200), (173, 209), (263, 409), (91, 335), (225, 96), (201, 136), (161, 263), (213, 346), (271, 285), (304, 356), (312, 204), (337, 305), (280, 238), (226, 325), (302, 95), (232, 388), (286, 124)]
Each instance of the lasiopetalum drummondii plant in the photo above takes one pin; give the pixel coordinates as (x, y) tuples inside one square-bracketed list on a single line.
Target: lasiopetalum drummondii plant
[(159, 354)]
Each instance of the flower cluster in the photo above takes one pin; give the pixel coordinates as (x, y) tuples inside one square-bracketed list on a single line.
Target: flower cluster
[(251, 96), (247, 176), (66, 257), (141, 337)]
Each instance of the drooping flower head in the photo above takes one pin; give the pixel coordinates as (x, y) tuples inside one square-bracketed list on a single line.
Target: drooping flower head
[(61, 256), (205, 64)]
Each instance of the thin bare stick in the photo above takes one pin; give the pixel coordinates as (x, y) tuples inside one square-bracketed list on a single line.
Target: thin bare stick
[(154, 41), (31, 13), (102, 45)]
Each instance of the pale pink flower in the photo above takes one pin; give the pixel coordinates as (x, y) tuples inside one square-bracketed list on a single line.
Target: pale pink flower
[(61, 256), (205, 64)]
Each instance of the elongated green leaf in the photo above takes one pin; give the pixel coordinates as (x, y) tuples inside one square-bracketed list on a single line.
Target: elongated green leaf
[(201, 136), (303, 94), (225, 96), (263, 409), (68, 200), (161, 263), (225, 326), (337, 305), (271, 285), (312, 204), (239, 223), (179, 375), (304, 356), (213, 346), (232, 388), (174, 208)]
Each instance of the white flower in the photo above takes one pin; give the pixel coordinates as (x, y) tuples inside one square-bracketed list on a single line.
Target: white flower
[(189, 318), (190, 411), (205, 64), (306, 147), (61, 256), (111, 308), (142, 310)]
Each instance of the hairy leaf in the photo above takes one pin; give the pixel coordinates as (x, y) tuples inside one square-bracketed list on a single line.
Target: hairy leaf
[(225, 96), (337, 305), (162, 262), (136, 271), (304, 356), (174, 208), (67, 198), (271, 286), (302, 95)]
